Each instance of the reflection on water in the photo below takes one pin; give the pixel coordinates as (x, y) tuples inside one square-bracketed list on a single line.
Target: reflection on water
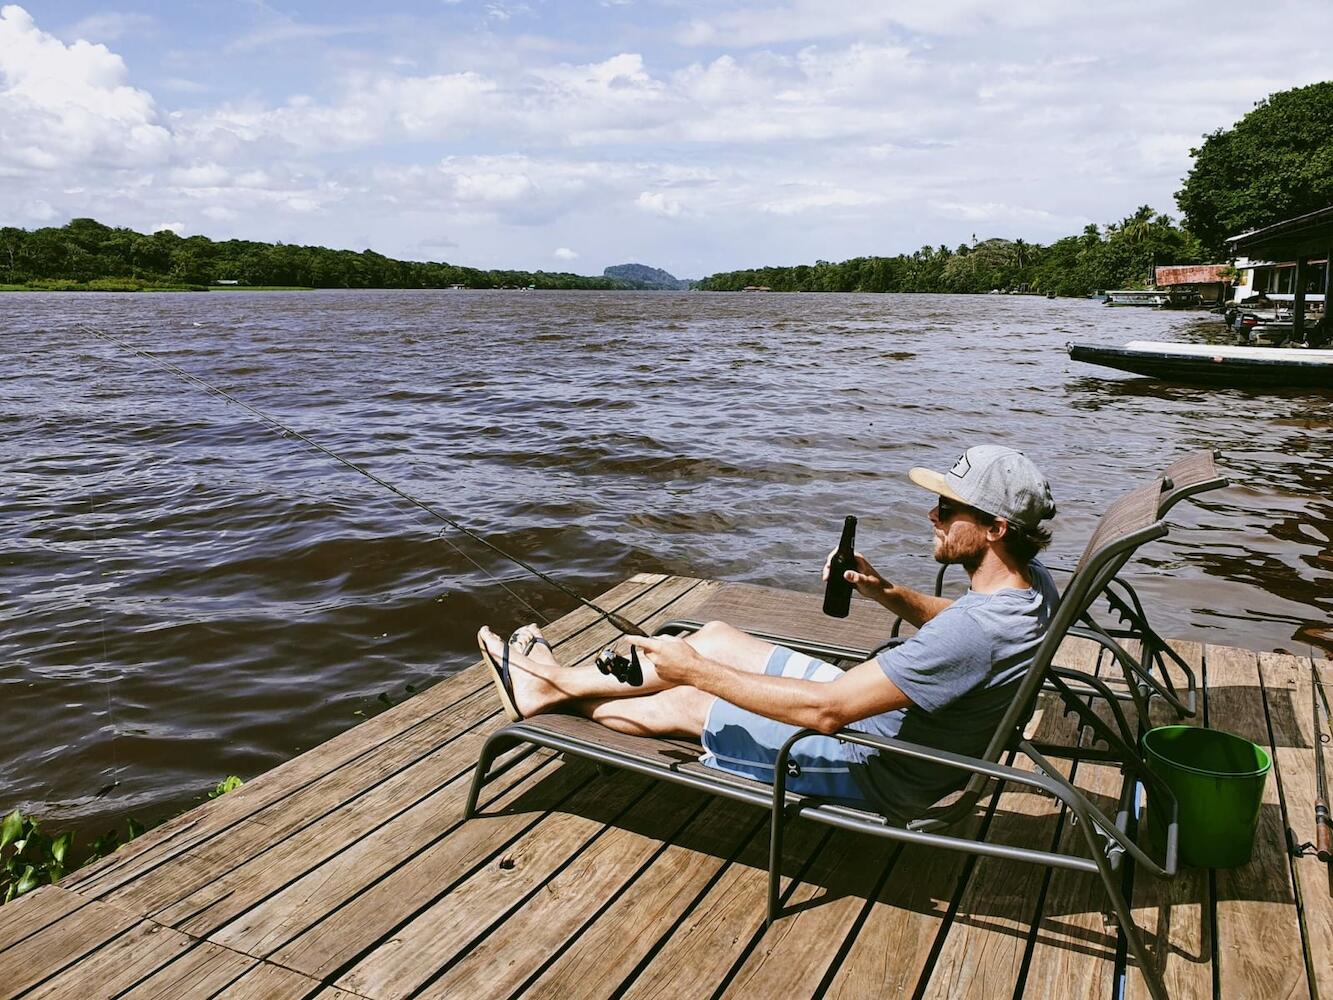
[(188, 594)]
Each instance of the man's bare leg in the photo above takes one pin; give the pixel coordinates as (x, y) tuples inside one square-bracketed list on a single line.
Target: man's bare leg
[(540, 684), (677, 711)]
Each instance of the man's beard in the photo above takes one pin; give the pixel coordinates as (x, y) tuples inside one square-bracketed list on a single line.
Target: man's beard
[(956, 555)]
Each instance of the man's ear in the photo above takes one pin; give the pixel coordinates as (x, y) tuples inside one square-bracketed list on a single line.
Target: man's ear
[(997, 529)]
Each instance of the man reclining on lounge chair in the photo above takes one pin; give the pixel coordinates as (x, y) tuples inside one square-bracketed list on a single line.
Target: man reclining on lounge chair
[(946, 686)]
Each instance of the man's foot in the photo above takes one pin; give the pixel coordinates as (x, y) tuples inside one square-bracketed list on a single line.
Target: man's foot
[(529, 641), (532, 693)]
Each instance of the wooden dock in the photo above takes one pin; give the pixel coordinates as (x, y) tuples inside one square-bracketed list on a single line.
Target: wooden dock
[(347, 872)]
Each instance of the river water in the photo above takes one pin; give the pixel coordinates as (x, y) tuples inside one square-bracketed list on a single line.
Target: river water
[(187, 594)]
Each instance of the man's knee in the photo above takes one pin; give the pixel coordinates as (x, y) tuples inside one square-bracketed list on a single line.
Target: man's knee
[(715, 636)]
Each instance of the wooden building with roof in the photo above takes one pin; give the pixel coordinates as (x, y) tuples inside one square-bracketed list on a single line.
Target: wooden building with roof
[(1305, 239)]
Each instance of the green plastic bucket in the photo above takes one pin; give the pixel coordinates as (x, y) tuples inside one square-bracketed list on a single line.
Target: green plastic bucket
[(1218, 779)]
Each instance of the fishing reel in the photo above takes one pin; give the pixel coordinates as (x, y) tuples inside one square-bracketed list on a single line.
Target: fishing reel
[(624, 669)]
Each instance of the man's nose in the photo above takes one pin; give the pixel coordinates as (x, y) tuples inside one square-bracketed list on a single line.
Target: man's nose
[(934, 514)]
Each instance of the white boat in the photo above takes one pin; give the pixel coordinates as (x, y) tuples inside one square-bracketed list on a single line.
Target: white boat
[(1215, 364), (1156, 298)]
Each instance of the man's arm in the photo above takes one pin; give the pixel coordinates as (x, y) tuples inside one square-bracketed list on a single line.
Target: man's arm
[(911, 605), (826, 706)]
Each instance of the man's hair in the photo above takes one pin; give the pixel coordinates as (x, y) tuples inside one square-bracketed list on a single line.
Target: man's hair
[(1021, 543), (1024, 543)]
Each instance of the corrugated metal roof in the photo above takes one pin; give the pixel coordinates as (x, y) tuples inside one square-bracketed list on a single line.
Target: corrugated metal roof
[(1189, 274)]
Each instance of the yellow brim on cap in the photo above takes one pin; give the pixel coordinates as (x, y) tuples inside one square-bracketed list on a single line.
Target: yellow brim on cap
[(928, 479)]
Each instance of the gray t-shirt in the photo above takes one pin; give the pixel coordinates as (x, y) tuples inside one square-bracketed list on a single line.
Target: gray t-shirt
[(961, 671)]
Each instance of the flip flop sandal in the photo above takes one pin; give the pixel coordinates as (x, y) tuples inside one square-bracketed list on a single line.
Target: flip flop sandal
[(528, 642), (503, 685)]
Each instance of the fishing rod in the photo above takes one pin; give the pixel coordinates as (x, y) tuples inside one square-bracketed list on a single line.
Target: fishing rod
[(619, 621), (1323, 826)]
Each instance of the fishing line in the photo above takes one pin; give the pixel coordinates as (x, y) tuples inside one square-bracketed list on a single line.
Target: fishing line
[(109, 679), (619, 621)]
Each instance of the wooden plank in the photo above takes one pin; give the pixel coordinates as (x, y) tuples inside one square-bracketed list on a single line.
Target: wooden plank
[(81, 932), (790, 957), (421, 802), (199, 972), (321, 921), (1175, 916), (33, 911), (983, 949), (401, 964), (603, 954), (1287, 690), (267, 982), (272, 788), (403, 762), (260, 928), (492, 965), (1259, 951), (117, 965), (1074, 951), (708, 942), (786, 612), (908, 911)]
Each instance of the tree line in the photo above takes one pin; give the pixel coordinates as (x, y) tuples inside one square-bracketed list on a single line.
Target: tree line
[(86, 251), (1121, 254)]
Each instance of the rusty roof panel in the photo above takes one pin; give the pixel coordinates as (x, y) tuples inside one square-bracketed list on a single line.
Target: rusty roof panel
[(1189, 274)]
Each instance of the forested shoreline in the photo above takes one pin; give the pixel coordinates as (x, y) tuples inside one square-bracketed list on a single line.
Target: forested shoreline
[(86, 253), (1119, 255)]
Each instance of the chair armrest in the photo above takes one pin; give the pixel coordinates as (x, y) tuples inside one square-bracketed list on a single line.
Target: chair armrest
[(1043, 778)]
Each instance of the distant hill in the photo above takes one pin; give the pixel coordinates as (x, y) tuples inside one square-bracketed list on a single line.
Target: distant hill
[(643, 276)]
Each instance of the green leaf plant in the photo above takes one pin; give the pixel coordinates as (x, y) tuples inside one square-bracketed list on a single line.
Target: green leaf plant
[(29, 858)]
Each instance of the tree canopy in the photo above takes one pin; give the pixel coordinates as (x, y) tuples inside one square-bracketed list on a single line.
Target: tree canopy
[(87, 251), (1273, 164), (1117, 255)]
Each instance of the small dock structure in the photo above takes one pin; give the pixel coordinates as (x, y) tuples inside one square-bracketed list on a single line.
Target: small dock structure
[(348, 872)]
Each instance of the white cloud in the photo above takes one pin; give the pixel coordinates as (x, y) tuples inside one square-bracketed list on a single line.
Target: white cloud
[(995, 212), (64, 106), (161, 227), (110, 26), (201, 175), (658, 203), (184, 86), (821, 197), (564, 253), (40, 211)]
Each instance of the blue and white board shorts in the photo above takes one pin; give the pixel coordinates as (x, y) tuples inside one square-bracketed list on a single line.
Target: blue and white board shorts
[(744, 743)]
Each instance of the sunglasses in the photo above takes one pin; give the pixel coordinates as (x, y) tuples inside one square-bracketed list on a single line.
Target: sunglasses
[(948, 508)]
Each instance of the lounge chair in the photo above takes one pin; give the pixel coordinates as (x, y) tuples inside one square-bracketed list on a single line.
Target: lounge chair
[(1128, 523)]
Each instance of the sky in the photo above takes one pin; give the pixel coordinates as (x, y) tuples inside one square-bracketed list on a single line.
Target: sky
[(560, 135)]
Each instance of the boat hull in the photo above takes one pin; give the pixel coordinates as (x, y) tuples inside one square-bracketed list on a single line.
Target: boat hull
[(1204, 369)]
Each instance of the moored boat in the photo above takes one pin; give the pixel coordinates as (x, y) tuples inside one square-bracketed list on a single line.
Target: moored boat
[(1158, 298), (1209, 364), (1135, 297)]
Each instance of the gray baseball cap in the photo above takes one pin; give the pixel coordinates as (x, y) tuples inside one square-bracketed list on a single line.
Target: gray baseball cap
[(994, 479)]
